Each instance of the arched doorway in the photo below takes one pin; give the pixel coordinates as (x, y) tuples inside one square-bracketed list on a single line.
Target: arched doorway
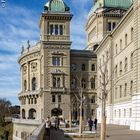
[(23, 113), (56, 112), (32, 114)]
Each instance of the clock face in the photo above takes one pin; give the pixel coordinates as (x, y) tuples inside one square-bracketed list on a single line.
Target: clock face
[(73, 67)]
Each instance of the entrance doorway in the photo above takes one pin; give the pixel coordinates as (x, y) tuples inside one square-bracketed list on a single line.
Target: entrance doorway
[(56, 112)]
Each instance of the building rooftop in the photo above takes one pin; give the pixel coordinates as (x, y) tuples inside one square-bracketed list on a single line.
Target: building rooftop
[(83, 53), (122, 4), (56, 6)]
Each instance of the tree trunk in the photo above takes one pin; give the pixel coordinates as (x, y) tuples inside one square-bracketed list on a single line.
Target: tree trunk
[(80, 123), (103, 128)]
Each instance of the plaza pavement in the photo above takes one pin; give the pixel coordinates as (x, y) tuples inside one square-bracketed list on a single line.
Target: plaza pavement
[(114, 132)]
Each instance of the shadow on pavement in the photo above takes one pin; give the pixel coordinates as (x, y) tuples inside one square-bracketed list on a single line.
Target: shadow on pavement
[(55, 135)]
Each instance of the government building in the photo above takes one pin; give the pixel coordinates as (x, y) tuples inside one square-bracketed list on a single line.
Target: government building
[(55, 78)]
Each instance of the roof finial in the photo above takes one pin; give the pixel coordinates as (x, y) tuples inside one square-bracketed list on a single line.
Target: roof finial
[(28, 43), (22, 49)]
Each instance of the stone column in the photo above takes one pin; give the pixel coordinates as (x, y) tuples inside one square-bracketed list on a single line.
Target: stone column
[(28, 77)]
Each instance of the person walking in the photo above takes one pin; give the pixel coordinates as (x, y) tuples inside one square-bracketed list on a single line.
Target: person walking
[(48, 126), (90, 124), (57, 123), (95, 124)]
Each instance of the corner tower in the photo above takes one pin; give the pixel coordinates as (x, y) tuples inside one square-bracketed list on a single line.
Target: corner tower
[(55, 43)]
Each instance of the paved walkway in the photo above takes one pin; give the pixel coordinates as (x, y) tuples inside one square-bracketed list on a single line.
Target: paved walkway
[(114, 132)]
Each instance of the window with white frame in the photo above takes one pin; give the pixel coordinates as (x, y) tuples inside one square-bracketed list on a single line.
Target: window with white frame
[(56, 81), (56, 61)]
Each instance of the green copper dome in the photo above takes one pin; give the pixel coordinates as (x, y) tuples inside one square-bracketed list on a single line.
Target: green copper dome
[(123, 4), (118, 3), (56, 6)]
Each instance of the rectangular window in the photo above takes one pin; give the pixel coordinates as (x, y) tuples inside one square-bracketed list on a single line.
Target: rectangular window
[(61, 29), (56, 29), (53, 98), (56, 82), (56, 61), (114, 25), (51, 29), (59, 98), (109, 26), (93, 99)]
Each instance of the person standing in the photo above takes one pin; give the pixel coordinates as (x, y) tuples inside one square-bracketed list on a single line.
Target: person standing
[(95, 124), (57, 123), (90, 124), (48, 126)]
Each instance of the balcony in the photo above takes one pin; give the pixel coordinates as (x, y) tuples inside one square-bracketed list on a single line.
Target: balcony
[(25, 93), (58, 89), (56, 37), (27, 121)]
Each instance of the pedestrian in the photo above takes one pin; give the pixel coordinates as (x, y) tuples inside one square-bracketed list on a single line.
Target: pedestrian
[(48, 126), (57, 123), (95, 124), (90, 124)]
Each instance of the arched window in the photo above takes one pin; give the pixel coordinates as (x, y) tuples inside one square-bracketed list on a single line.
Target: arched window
[(126, 40), (93, 68), (23, 113), (34, 84), (125, 89), (131, 60), (132, 34), (120, 44), (116, 49), (83, 83), (131, 87), (83, 67), (121, 68), (73, 83), (93, 83), (25, 85), (32, 113), (120, 91), (126, 63)]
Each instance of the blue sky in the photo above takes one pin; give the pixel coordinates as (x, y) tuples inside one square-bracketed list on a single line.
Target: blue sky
[(19, 22)]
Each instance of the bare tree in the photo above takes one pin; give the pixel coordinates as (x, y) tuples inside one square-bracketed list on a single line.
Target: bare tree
[(78, 93), (105, 86)]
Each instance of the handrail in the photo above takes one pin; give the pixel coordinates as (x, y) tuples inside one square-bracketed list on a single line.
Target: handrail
[(26, 138), (31, 134)]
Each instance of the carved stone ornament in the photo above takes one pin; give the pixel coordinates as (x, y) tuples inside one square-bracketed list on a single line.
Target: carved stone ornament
[(24, 69), (34, 66)]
